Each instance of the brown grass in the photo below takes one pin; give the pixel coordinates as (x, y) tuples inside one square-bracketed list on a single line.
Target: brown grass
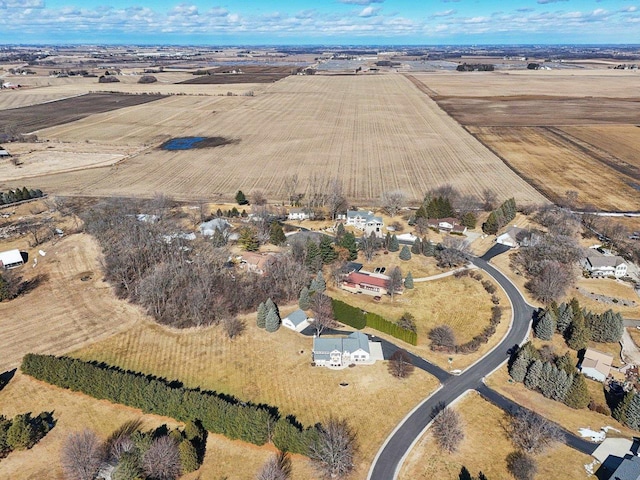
[(356, 122), (485, 449), (610, 288)]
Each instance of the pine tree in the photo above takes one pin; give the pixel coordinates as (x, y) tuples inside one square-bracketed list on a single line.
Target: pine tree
[(241, 199), (304, 300), (21, 434), (340, 231), (421, 212), (318, 284), (579, 334), (25, 193), (249, 239), (565, 362), (188, 456), (428, 248), (394, 245), (562, 385), (270, 305), (620, 412), (262, 315), (349, 242), (416, 248), (387, 241), (276, 234), (545, 327), (633, 413), (327, 252), (565, 317), (272, 322), (519, 367), (469, 220), (491, 226), (405, 253), (532, 378), (218, 239), (313, 260), (606, 327), (578, 394), (408, 281), (547, 378)]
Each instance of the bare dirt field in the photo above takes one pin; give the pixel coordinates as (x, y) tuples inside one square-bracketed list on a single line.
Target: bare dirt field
[(376, 132), (484, 449), (554, 161), (33, 118), (249, 74), (74, 307)]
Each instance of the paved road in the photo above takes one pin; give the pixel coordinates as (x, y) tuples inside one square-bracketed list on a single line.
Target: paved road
[(392, 453)]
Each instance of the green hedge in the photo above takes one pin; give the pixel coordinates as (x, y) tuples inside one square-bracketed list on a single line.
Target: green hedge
[(354, 317), (219, 413)]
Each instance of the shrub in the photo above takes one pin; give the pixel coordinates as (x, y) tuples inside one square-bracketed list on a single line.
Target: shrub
[(442, 338)]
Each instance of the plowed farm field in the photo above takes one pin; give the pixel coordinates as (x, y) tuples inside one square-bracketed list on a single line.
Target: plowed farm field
[(376, 133)]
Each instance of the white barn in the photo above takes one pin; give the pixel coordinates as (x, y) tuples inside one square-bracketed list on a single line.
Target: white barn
[(11, 259)]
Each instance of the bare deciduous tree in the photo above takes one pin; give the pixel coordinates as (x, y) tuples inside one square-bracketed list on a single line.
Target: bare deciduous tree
[(400, 365), (532, 433), (551, 282), (522, 466), (393, 201), (291, 183), (162, 460), (334, 451), (395, 282), (442, 336), (489, 200), (335, 198), (369, 245), (322, 312), (82, 455), (422, 226), (278, 467), (258, 198), (233, 326), (447, 430)]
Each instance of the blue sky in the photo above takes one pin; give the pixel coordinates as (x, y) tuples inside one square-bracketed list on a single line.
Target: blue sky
[(329, 22)]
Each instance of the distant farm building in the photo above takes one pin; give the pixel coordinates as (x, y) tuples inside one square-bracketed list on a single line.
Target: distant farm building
[(11, 259)]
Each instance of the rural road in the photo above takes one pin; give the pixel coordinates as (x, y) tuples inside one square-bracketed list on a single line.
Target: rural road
[(389, 459)]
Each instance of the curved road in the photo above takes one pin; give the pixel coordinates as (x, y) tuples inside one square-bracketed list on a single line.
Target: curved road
[(387, 463)]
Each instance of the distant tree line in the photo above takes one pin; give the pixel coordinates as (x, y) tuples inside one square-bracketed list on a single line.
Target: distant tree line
[(19, 195), (500, 217), (218, 413), (470, 67)]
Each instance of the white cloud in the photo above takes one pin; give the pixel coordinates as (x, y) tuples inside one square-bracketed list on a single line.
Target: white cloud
[(446, 13), (360, 2), (369, 11), (21, 4)]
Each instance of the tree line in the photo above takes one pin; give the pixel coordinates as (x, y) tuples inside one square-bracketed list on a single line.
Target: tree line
[(23, 431), (500, 217), (218, 412), (19, 195)]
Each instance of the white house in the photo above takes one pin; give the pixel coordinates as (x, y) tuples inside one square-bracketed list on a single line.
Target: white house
[(299, 214), (11, 259), (596, 365), (605, 266), (448, 224), (509, 238), (296, 321), (343, 351), (365, 221)]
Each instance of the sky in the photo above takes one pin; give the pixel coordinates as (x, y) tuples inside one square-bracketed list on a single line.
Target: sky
[(320, 22)]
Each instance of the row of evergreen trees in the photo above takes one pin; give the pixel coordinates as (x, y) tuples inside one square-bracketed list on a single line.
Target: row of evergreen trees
[(268, 316), (441, 207), (218, 413), (23, 431), (18, 195), (557, 378), (578, 325), (500, 217), (628, 410)]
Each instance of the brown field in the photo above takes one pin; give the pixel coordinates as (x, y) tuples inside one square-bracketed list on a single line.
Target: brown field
[(379, 132), (270, 368), (36, 117), (554, 162), (485, 448), (251, 74), (64, 312)]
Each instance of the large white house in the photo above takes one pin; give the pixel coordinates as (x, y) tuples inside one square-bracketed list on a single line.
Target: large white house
[(343, 351), (299, 214), (365, 221), (605, 266)]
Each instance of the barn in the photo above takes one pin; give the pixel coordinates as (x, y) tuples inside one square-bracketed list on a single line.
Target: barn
[(11, 259)]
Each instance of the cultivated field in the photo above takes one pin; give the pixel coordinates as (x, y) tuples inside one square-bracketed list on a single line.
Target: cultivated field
[(485, 448), (250, 74), (377, 132)]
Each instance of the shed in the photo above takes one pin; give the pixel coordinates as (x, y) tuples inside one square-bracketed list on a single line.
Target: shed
[(11, 259), (296, 321)]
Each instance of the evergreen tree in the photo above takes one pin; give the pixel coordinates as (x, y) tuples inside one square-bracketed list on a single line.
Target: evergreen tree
[(340, 231), (313, 260), (564, 319), (270, 305), (416, 248), (405, 253), (4, 426), (318, 284), (562, 384), (545, 326), (188, 456), (578, 394), (262, 315), (408, 281), (565, 362), (21, 435), (327, 252), (241, 199), (422, 212), (249, 239), (349, 242), (428, 248), (579, 335), (387, 241), (26, 195), (128, 467), (218, 239), (276, 234), (304, 301), (468, 220), (532, 378), (394, 245), (547, 379), (606, 327), (633, 413), (491, 226), (620, 412), (272, 322), (519, 367)]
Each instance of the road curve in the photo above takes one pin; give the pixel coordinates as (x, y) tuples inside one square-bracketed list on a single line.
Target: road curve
[(389, 459)]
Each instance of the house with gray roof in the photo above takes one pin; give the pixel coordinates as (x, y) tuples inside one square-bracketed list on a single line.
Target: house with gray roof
[(629, 469), (296, 321), (339, 352), (11, 259), (207, 229), (510, 237), (605, 266), (365, 221)]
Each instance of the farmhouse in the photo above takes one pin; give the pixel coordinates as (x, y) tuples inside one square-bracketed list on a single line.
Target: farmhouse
[(296, 321), (605, 266), (299, 214), (365, 221), (11, 259), (358, 282), (344, 351), (596, 364), (510, 237), (449, 224)]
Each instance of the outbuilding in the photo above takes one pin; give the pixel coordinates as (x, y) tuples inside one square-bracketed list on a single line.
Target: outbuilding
[(11, 259)]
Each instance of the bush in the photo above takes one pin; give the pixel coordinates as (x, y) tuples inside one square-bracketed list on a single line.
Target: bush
[(442, 338), (147, 79)]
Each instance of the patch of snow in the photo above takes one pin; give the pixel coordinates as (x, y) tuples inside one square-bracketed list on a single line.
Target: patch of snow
[(590, 467), (608, 427), (42, 253), (592, 434)]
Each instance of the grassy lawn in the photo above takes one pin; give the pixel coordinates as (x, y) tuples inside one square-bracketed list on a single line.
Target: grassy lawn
[(569, 418), (611, 288), (419, 265), (461, 303), (483, 423), (271, 368)]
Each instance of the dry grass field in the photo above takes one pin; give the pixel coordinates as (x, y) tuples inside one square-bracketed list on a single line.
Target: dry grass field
[(380, 133), (485, 448), (64, 312), (271, 368)]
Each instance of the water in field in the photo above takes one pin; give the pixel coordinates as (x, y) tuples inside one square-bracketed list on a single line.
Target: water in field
[(183, 143)]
